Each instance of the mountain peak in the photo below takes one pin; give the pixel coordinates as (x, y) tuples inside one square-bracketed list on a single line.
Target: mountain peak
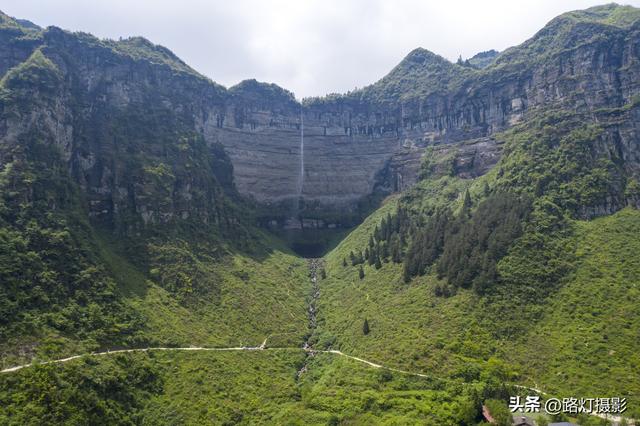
[(421, 56), (572, 29), (419, 74), (610, 14), (7, 21), (483, 59), (254, 90)]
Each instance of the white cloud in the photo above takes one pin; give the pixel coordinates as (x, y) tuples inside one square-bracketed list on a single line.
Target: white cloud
[(311, 47)]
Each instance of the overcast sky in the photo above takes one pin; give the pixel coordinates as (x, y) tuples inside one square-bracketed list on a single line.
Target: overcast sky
[(311, 47)]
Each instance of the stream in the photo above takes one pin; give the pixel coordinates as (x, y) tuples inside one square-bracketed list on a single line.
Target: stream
[(314, 266)]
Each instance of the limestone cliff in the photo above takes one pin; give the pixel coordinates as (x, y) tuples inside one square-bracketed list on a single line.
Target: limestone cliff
[(149, 140)]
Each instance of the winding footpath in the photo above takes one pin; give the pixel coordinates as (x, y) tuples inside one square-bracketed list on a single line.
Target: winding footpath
[(307, 347)]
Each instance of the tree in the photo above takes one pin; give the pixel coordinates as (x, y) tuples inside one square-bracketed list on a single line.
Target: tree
[(396, 251), (388, 229), (323, 274), (466, 203), (485, 189), (499, 411), (344, 262), (361, 272), (378, 263), (365, 327), (475, 243)]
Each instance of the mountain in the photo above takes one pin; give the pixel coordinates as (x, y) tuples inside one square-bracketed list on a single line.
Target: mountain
[(479, 217), (121, 225), (483, 59)]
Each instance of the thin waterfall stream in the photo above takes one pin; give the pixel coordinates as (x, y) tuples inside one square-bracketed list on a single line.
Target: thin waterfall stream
[(301, 178)]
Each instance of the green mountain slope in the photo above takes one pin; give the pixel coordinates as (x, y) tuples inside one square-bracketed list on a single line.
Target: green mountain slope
[(536, 307), (585, 341), (154, 248), (121, 227)]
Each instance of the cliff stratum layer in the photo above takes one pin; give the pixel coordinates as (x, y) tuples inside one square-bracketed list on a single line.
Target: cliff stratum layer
[(97, 100)]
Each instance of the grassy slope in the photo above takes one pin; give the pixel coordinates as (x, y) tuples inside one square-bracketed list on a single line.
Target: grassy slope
[(255, 298), (219, 388), (259, 296), (260, 387), (410, 327), (252, 387), (584, 344), (587, 340)]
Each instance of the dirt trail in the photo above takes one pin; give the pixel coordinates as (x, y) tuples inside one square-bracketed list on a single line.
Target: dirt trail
[(307, 348), (314, 266), (123, 351)]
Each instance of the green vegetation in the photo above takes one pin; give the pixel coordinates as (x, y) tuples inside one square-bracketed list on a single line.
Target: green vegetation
[(513, 261), (476, 284), (464, 335), (584, 340), (250, 387), (420, 74), (500, 412), (36, 71), (141, 49), (175, 260), (473, 246), (112, 390)]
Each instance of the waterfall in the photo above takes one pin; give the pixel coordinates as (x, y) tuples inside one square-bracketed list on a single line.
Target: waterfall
[(301, 179), (298, 199)]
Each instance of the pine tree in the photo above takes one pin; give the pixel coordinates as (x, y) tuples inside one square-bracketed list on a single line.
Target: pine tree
[(396, 222), (365, 327), (466, 203), (344, 262), (485, 189), (385, 252), (353, 258), (361, 272), (371, 242), (407, 272), (323, 274), (378, 263), (396, 251), (366, 253)]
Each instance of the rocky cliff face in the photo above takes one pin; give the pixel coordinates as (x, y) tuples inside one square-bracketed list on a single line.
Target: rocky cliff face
[(147, 138), (373, 139), (120, 125)]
